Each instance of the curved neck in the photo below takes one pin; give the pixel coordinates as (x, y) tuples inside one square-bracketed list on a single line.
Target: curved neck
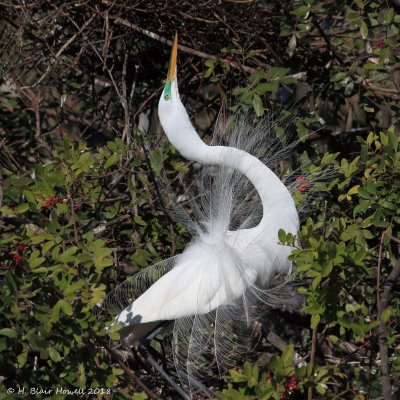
[(274, 195)]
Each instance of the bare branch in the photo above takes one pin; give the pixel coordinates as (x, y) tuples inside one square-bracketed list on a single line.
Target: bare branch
[(383, 298), (63, 48), (181, 47)]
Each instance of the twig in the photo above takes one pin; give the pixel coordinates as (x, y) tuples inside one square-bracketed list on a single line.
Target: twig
[(329, 44), (315, 330), (346, 132), (390, 93), (128, 371), (382, 304), (10, 154), (1, 185), (207, 21), (63, 48), (239, 1), (144, 103), (131, 94), (181, 47), (394, 239), (124, 102), (383, 298), (74, 219), (223, 22), (108, 36), (38, 129), (312, 358), (378, 272)]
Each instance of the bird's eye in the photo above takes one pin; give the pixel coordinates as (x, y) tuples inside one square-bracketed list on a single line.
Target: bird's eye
[(166, 96)]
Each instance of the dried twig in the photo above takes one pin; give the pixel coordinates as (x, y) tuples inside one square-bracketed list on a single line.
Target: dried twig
[(128, 371), (1, 185), (63, 48), (124, 102), (76, 239), (181, 47), (383, 298), (312, 357)]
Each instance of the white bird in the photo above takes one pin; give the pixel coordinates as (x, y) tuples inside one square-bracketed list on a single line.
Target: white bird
[(213, 288)]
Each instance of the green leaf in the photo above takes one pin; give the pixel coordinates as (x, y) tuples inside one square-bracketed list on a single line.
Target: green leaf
[(68, 255), (65, 307), (11, 333), (257, 76), (117, 371), (360, 4), (315, 321), (364, 30), (47, 246), (21, 359), (282, 236), (389, 16), (114, 335), (386, 315), (321, 389), (258, 105), (301, 130), (40, 270), (302, 11), (22, 208), (111, 160), (35, 262), (265, 87), (54, 354), (393, 139), (275, 73), (339, 76), (288, 355), (140, 396)]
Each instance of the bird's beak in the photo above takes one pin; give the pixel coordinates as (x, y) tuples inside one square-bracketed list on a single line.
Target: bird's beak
[(172, 63)]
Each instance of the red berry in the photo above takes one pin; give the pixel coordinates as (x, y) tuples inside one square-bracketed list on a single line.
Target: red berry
[(292, 383), (51, 201), (16, 259), (303, 184), (21, 247)]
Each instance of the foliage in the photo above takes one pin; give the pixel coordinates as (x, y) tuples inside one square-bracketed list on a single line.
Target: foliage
[(342, 258), (79, 207), (56, 269), (281, 382)]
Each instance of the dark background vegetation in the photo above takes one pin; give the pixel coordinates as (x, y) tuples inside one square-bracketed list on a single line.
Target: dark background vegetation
[(79, 209)]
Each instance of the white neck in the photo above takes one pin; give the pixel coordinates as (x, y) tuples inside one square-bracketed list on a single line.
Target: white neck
[(274, 195)]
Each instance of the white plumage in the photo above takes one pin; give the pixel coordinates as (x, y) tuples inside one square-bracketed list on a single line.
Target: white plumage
[(212, 290)]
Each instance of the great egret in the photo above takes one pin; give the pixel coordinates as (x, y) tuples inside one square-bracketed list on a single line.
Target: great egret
[(213, 288)]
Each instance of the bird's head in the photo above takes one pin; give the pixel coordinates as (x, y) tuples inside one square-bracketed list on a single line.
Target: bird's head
[(173, 116), (170, 94)]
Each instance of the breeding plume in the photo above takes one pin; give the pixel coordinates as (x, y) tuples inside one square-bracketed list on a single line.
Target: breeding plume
[(214, 289)]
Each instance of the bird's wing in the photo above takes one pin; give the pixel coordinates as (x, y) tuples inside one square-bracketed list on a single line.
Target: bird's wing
[(133, 287), (204, 277)]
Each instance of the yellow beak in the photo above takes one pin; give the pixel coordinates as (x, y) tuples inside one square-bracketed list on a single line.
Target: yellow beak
[(172, 63)]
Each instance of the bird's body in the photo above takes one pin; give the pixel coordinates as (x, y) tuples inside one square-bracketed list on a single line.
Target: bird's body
[(215, 280), (215, 270)]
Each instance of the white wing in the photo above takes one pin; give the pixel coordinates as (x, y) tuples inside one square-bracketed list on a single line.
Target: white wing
[(131, 289), (205, 276)]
